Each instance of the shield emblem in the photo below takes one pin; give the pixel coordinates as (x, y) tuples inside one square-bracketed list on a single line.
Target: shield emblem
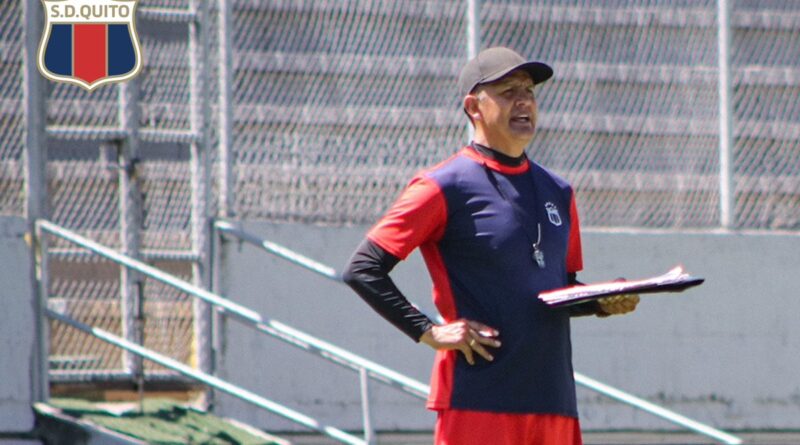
[(89, 42), (552, 213)]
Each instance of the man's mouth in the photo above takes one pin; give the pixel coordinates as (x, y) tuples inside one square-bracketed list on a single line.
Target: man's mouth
[(523, 118)]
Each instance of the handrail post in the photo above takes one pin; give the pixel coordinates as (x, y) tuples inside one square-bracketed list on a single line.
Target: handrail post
[(218, 319), (130, 207), (727, 191), (225, 179), (42, 275), (36, 203), (369, 431), (225, 133), (200, 111)]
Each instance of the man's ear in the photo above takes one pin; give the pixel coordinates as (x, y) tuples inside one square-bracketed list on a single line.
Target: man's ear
[(471, 107)]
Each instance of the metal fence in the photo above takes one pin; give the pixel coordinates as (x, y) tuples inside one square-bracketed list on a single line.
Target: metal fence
[(664, 114), (129, 166), (338, 103)]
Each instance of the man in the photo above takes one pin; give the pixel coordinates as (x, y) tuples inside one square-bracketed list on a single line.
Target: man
[(495, 230)]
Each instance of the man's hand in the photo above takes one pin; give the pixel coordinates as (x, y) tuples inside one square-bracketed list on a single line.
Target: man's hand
[(618, 304), (466, 336)]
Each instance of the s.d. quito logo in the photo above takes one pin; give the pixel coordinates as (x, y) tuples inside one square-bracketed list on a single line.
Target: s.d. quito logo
[(89, 42)]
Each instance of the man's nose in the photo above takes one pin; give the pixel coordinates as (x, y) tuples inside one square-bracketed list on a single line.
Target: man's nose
[(524, 96), (523, 99)]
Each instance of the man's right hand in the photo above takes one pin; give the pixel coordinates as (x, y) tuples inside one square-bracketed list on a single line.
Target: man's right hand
[(466, 336)]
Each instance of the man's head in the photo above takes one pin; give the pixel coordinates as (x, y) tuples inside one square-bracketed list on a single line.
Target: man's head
[(497, 87)]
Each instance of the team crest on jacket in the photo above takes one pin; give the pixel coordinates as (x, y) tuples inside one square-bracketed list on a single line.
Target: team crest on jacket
[(89, 42), (552, 213)]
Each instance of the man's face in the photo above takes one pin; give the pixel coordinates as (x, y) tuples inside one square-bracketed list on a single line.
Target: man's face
[(508, 110)]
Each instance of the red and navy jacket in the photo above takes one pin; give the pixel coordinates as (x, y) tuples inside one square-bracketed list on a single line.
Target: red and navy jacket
[(459, 215)]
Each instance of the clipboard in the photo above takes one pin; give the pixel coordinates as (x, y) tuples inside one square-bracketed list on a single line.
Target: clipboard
[(675, 280)]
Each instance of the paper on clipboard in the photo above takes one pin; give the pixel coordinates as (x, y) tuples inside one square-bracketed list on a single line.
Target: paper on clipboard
[(676, 280)]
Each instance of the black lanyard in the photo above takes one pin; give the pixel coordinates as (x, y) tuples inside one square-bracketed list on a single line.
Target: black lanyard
[(537, 254)]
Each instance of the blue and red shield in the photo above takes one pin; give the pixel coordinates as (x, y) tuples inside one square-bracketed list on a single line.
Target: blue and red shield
[(89, 42)]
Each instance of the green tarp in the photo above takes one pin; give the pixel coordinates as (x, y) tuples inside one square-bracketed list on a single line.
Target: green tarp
[(160, 422)]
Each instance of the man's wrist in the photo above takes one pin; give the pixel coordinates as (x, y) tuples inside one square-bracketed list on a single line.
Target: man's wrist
[(427, 335)]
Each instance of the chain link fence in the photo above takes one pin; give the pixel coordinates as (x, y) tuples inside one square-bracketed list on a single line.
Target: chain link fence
[(133, 193), (12, 123), (334, 105), (338, 103), (766, 61)]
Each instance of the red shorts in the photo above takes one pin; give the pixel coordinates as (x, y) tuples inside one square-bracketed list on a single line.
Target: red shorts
[(458, 427)]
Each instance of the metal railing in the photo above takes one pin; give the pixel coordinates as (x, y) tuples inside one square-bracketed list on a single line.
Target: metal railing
[(208, 379), (365, 368), (229, 228)]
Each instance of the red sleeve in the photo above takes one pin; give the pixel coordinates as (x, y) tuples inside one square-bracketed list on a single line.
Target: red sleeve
[(416, 217), (574, 250)]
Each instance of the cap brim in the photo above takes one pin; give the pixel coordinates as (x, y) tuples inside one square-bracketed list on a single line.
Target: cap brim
[(539, 72)]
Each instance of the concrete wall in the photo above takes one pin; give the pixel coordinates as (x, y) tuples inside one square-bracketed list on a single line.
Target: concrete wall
[(17, 329), (726, 353), (326, 309)]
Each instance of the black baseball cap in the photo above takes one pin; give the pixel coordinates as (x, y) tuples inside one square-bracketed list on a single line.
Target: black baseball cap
[(493, 63)]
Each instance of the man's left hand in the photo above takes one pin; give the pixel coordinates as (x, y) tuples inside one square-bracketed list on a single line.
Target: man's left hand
[(618, 304)]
